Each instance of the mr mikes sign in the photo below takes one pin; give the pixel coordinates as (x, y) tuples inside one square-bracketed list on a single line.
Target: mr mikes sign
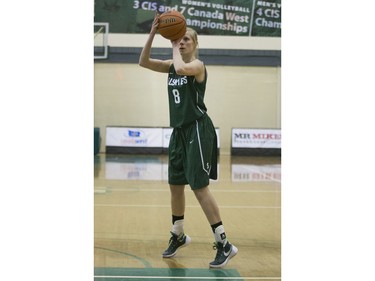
[(256, 138)]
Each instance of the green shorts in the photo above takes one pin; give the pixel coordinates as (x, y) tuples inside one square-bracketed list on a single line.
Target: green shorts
[(193, 154)]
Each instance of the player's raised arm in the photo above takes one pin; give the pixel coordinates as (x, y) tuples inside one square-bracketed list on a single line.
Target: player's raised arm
[(145, 60)]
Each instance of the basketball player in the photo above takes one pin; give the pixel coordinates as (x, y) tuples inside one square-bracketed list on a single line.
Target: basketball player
[(193, 143)]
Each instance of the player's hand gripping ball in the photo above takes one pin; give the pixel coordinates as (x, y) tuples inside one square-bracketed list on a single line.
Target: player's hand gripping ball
[(172, 25)]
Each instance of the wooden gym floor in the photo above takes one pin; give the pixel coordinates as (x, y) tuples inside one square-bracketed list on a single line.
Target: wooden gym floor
[(133, 220)]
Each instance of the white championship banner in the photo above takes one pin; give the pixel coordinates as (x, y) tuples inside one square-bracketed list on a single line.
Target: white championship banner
[(256, 138), (133, 137)]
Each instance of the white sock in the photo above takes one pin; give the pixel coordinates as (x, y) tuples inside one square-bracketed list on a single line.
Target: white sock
[(220, 235), (178, 227)]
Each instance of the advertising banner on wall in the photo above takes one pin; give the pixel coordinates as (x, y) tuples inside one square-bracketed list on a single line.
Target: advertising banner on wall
[(256, 138), (214, 17), (133, 137)]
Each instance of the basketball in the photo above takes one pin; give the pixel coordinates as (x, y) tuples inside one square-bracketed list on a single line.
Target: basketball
[(172, 25)]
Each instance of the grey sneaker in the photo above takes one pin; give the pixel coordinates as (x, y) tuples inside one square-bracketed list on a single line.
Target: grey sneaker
[(176, 242), (223, 254)]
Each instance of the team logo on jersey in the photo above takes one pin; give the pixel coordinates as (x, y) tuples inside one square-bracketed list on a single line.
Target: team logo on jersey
[(177, 81)]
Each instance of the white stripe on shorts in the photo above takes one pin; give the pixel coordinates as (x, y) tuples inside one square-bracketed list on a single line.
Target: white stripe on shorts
[(200, 150)]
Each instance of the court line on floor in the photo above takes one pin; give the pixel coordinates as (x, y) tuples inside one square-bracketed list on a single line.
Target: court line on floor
[(167, 190), (186, 277), (145, 263), (187, 206)]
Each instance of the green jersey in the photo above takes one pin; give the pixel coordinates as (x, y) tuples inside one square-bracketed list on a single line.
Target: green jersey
[(185, 98)]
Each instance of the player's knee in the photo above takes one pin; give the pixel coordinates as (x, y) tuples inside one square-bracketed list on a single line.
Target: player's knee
[(201, 193)]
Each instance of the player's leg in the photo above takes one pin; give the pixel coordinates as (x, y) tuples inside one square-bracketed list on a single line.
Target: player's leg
[(201, 163), (208, 204), (177, 199), (225, 250), (178, 208), (177, 181), (178, 237)]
